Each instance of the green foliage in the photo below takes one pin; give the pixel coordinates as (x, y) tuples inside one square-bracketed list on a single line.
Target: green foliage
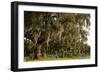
[(28, 47), (56, 34)]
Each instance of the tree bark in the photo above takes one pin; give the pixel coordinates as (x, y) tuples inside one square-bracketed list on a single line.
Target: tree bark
[(37, 52)]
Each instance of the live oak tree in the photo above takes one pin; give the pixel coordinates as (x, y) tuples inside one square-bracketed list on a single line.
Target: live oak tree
[(57, 34)]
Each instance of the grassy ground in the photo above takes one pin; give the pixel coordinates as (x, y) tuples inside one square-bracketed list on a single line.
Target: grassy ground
[(49, 59)]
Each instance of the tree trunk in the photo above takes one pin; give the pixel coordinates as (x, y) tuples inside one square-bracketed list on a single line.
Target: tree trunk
[(37, 52)]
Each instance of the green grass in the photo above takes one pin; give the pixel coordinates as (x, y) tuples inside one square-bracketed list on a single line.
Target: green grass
[(50, 59)]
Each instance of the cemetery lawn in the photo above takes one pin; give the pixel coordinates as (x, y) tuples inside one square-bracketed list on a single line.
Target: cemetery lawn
[(27, 59)]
